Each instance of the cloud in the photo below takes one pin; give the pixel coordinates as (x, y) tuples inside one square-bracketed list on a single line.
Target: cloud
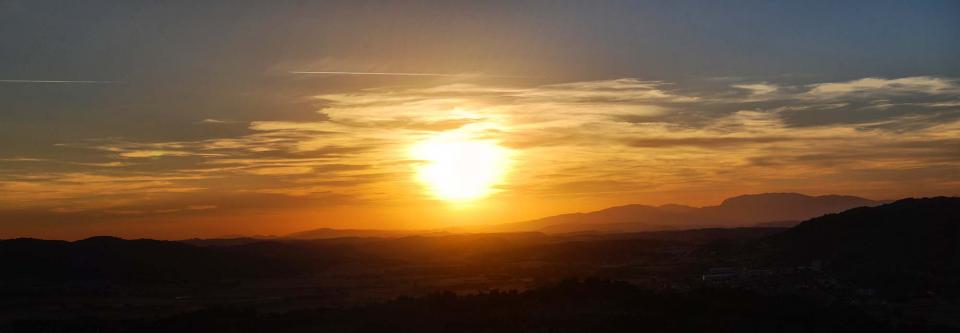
[(155, 211), (945, 104), (926, 85), (588, 138), (86, 191), (153, 153), (620, 90), (23, 159), (216, 121), (281, 170), (758, 88), (707, 141), (114, 164)]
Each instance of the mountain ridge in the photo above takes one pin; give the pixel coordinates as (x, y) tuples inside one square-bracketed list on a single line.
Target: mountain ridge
[(782, 208)]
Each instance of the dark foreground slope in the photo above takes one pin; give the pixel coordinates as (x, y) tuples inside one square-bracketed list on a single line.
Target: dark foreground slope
[(911, 244), (886, 268), (570, 306)]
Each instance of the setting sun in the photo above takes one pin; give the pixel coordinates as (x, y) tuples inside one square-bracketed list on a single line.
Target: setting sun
[(456, 168)]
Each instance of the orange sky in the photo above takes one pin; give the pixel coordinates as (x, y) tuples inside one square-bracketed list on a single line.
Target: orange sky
[(570, 147), (204, 120)]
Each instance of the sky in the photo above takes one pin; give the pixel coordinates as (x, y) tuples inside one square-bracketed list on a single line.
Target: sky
[(188, 119)]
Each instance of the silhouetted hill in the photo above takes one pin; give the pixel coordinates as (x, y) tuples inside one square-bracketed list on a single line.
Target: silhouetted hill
[(115, 259), (144, 260), (911, 243), (746, 210)]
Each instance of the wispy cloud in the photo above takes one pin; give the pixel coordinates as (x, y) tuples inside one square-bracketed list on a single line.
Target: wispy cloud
[(871, 86), (594, 138), (758, 88), (216, 121), (57, 81)]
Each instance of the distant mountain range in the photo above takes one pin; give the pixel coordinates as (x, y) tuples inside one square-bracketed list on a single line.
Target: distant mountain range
[(915, 242), (778, 210), (768, 209)]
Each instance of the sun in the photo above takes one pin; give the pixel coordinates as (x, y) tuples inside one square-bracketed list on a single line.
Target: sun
[(458, 169)]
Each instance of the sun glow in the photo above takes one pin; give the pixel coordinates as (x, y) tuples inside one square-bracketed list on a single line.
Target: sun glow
[(459, 169)]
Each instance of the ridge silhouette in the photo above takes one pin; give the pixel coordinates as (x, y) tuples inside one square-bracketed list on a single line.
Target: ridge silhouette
[(766, 209)]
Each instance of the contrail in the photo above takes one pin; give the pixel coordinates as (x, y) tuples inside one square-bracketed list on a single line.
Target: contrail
[(377, 73), (405, 74), (56, 81)]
